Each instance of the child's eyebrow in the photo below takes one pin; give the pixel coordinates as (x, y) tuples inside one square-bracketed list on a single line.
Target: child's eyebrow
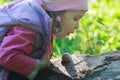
[(81, 15)]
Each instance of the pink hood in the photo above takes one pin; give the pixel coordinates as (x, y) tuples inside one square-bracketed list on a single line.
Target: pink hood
[(60, 5)]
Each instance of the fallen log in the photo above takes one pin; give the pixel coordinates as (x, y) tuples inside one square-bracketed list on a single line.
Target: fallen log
[(84, 67)]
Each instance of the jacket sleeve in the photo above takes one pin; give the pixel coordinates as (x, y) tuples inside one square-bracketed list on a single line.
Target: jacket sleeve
[(15, 49)]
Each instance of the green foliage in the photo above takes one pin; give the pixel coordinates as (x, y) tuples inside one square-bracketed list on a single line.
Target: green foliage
[(4, 1), (98, 33)]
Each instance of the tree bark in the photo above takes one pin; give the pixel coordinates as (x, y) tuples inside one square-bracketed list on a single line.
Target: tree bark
[(84, 67)]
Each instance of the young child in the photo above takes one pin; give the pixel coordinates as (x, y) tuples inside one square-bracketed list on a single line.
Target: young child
[(26, 33)]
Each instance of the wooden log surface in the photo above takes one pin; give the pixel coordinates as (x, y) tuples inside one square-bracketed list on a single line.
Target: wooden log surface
[(84, 67)]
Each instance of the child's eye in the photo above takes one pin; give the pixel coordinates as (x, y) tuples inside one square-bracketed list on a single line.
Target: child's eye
[(76, 19)]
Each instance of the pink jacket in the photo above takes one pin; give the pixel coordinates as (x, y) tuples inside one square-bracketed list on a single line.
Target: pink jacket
[(32, 16), (16, 48)]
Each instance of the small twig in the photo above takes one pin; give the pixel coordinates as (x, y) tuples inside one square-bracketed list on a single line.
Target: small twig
[(80, 62)]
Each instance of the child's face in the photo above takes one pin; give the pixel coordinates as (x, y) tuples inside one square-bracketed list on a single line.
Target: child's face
[(69, 22)]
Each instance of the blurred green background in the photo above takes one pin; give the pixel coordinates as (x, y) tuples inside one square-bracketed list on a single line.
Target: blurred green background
[(99, 30), (4, 1)]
